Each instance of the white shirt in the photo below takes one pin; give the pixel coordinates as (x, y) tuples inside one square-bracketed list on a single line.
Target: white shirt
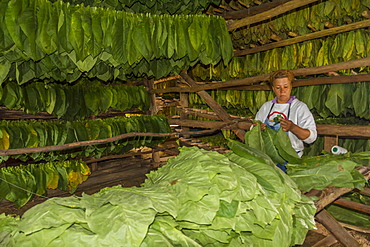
[(299, 114)]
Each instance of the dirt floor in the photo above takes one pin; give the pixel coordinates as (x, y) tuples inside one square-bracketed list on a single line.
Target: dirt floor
[(130, 171)]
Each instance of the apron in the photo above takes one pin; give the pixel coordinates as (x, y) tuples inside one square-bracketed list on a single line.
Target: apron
[(276, 125)]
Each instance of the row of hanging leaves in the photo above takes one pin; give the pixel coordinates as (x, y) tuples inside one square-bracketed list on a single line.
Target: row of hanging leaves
[(332, 49), (336, 12), (32, 133), (34, 179), (58, 41), (72, 102), (336, 100), (171, 7)]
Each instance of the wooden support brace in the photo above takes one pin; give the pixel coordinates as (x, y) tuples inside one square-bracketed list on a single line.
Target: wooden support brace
[(329, 142), (213, 104), (336, 229)]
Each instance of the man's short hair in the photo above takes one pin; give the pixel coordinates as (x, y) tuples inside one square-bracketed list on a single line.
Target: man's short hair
[(283, 73)]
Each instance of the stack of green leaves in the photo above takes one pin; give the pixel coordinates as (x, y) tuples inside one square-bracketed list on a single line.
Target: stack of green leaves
[(19, 184), (32, 133), (65, 101), (315, 172), (44, 40), (199, 198), (318, 172)]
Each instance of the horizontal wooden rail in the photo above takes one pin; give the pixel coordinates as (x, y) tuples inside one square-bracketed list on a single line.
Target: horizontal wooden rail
[(80, 144), (359, 131)]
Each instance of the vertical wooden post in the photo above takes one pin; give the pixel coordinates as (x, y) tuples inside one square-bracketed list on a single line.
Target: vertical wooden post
[(156, 158), (184, 102), (153, 109), (329, 142)]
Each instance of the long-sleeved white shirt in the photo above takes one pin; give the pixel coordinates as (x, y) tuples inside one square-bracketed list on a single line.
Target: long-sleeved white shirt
[(299, 114)]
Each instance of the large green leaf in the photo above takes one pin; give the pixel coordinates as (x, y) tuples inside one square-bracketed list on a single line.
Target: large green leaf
[(285, 149)]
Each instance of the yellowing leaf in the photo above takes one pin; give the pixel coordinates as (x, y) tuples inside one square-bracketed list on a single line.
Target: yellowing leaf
[(4, 141)]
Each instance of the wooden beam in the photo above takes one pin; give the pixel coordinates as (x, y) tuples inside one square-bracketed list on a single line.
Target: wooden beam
[(353, 205), (283, 8), (211, 124), (260, 78), (360, 131), (309, 82), (336, 229), (213, 105), (238, 14), (310, 36)]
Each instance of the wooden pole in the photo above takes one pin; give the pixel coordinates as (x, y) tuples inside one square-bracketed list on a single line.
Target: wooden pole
[(214, 105), (80, 144), (336, 229), (360, 131), (309, 82), (310, 36), (353, 205), (294, 4)]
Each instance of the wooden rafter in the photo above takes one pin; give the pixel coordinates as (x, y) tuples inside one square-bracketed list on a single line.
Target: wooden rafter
[(310, 36), (283, 8)]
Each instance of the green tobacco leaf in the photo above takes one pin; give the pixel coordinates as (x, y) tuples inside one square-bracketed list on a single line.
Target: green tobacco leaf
[(249, 152), (253, 138), (349, 216), (268, 136), (285, 149)]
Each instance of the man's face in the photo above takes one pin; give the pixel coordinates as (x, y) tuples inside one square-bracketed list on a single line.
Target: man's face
[(282, 88)]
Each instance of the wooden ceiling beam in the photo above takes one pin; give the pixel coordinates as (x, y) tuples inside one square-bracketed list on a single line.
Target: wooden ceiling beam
[(283, 8)]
